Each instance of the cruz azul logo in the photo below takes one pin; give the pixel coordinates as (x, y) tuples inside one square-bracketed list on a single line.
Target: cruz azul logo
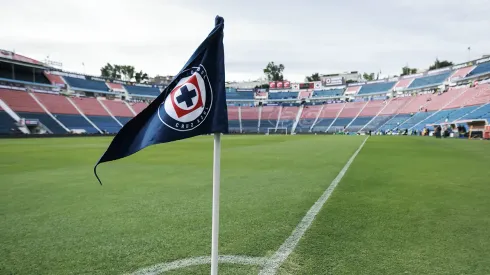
[(189, 103)]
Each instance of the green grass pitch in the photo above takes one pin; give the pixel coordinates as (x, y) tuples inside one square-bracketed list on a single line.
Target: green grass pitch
[(407, 205)]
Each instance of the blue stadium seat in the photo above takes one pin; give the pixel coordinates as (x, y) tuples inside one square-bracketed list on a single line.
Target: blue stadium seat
[(430, 80), (144, 91), (267, 123), (86, 84), (46, 120), (304, 125), (418, 117), (250, 125), (239, 95), (283, 95), (234, 125), (358, 123), (76, 122), (480, 69), (449, 115), (123, 120), (394, 122), (482, 112), (377, 122), (438, 117), (342, 121), (105, 123), (322, 124), (376, 88), (327, 93), (7, 123), (286, 123)]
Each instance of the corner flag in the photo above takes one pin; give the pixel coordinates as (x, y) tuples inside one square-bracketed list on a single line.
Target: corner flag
[(193, 104)]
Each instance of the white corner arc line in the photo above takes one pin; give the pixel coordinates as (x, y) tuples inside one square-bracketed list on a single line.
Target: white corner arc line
[(178, 264), (274, 262)]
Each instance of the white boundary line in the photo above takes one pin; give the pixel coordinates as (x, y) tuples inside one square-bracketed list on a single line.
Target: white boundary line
[(226, 259), (288, 246), (272, 264)]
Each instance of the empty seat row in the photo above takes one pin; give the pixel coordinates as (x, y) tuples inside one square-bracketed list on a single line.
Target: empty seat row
[(376, 88)]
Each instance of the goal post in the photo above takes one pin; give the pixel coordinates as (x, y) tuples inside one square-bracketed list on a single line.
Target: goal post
[(278, 131)]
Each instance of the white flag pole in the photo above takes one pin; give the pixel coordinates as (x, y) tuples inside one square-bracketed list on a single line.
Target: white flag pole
[(215, 226)]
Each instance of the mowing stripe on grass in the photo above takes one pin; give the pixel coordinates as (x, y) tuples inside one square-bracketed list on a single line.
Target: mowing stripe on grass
[(288, 246), (223, 259)]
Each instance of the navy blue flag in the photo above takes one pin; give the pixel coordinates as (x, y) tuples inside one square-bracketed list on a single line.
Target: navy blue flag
[(193, 104)]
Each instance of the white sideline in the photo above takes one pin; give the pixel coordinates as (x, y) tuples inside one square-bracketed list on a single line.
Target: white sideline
[(226, 259), (272, 264), (288, 246)]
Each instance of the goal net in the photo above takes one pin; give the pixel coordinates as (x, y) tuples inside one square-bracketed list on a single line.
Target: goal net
[(278, 131)]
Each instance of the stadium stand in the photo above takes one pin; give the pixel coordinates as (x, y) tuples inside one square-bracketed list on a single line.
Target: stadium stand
[(261, 95), (416, 104), (308, 118), (367, 114), (435, 114), (458, 113), (26, 107), (138, 107), (116, 87), (55, 79), (460, 73), (395, 105), (90, 106), (388, 113), (105, 123), (64, 111), (250, 119), (239, 95), (304, 95), (478, 95), (438, 101), (376, 88), (480, 69), (351, 109), (94, 111), (20, 101), (283, 95), (462, 100), (288, 116), (372, 108), (59, 114), (142, 91), (269, 117), (23, 73), (327, 116), (430, 80), (352, 90), (328, 93), (56, 104), (403, 83), (45, 119), (347, 115), (76, 122), (233, 119), (431, 111), (119, 110), (7, 123), (86, 85), (482, 112), (414, 120)]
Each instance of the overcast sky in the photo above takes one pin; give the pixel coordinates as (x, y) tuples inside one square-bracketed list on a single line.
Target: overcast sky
[(158, 36)]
